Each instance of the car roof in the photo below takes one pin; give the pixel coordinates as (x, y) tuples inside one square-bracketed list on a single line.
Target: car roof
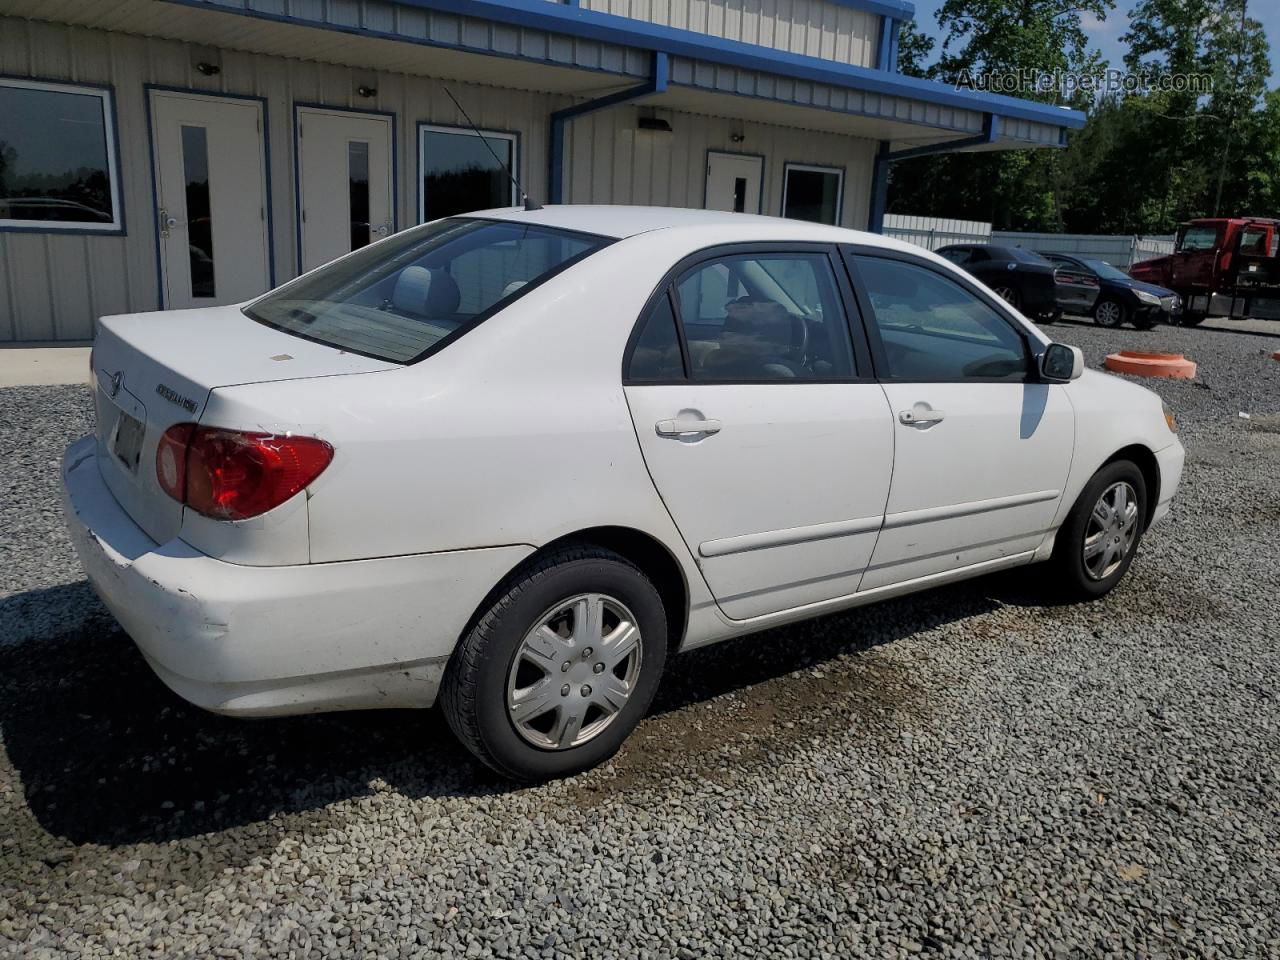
[(620, 222)]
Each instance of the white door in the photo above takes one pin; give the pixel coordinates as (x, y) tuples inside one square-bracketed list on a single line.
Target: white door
[(981, 450), (344, 177), (733, 182), (211, 189), (773, 458)]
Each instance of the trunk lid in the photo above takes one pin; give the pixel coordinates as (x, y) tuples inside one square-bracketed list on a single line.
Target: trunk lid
[(153, 370)]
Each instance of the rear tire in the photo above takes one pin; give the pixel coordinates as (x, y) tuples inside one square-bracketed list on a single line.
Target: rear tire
[(503, 693), (1094, 550)]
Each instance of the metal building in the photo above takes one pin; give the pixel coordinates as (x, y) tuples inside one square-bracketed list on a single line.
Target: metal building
[(173, 153)]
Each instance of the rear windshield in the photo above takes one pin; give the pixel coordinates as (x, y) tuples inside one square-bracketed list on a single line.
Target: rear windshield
[(1022, 254), (411, 294)]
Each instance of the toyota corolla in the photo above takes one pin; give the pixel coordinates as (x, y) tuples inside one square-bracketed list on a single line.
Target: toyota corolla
[(512, 461)]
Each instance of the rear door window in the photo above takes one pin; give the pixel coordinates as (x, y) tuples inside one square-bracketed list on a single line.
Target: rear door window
[(761, 317), (408, 296)]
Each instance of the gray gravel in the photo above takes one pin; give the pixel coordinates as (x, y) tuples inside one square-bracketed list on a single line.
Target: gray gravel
[(963, 773)]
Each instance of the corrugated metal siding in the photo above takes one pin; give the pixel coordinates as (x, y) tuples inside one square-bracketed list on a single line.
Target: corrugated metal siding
[(813, 28), (613, 162), (53, 286), (753, 83), (469, 33)]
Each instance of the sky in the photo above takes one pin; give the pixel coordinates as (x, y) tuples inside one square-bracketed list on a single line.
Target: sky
[(1106, 35)]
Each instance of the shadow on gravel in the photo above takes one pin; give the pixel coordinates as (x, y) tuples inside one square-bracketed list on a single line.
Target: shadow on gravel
[(105, 754)]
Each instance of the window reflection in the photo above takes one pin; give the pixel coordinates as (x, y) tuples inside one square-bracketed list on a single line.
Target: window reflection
[(53, 156), (358, 192), (460, 174), (195, 170)]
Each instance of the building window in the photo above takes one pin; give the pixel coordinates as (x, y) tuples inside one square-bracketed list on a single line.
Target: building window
[(462, 171), (812, 193), (58, 158)]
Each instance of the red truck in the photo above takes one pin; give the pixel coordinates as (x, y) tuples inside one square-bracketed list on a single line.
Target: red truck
[(1221, 267)]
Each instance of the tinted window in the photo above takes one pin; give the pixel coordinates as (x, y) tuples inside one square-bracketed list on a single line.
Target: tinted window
[(934, 329), (1021, 254), (812, 193), (55, 156), (460, 172), (656, 354), (396, 299), (766, 317), (955, 254), (1253, 242)]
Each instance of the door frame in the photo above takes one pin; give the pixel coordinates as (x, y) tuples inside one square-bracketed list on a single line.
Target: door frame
[(299, 105), (147, 90), (732, 153)]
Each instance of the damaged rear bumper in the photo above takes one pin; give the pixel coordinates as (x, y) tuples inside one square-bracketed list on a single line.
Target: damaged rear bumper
[(259, 641)]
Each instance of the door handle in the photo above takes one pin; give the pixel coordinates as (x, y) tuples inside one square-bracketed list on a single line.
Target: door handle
[(921, 416), (685, 428)]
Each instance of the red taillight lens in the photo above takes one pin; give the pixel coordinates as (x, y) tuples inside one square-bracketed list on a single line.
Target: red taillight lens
[(171, 460), (233, 474)]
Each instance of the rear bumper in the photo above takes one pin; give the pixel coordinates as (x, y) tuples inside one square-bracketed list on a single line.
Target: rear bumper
[(257, 641)]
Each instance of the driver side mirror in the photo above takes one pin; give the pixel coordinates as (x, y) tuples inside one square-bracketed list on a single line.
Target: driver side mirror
[(1060, 363)]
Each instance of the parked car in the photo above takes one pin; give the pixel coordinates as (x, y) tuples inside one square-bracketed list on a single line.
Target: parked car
[(1027, 280), (1123, 299), (1221, 267), (513, 460)]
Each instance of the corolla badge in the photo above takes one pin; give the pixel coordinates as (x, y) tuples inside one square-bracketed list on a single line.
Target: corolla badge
[(173, 396), (114, 386)]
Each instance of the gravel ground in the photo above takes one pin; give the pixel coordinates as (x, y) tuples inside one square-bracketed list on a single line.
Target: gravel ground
[(961, 773)]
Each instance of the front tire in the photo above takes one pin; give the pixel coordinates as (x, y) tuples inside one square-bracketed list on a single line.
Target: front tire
[(1097, 543), (560, 667), (1108, 312)]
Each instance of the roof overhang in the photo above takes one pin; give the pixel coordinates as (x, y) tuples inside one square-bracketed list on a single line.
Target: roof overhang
[(564, 48)]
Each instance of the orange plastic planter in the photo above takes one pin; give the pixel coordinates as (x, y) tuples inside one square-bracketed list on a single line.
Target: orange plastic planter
[(1172, 365)]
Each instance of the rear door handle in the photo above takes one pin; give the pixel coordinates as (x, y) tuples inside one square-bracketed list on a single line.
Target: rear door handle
[(685, 428), (918, 416)]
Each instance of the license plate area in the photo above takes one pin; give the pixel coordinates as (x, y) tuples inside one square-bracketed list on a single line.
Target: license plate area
[(127, 443)]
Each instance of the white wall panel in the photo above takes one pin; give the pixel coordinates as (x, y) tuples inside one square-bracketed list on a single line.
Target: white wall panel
[(812, 28), (611, 161)]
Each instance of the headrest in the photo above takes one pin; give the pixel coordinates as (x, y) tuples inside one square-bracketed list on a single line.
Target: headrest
[(431, 293), (512, 287)]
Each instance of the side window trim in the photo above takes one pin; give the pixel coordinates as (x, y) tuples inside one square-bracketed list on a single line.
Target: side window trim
[(880, 360), (862, 359)]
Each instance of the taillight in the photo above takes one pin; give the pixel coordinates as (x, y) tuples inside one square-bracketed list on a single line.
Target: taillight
[(234, 474)]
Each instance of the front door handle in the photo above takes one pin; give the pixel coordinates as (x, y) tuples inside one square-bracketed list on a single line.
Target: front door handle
[(685, 428), (919, 415)]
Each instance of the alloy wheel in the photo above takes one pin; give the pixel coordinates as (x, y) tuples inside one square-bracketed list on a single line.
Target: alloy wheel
[(1108, 314), (1112, 530), (574, 671), (1007, 294)]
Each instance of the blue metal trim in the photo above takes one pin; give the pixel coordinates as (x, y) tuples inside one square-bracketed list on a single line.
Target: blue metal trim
[(764, 164), (147, 88), (879, 189), (517, 158), (608, 28), (297, 173), (657, 83), (884, 46), (116, 186), (990, 133)]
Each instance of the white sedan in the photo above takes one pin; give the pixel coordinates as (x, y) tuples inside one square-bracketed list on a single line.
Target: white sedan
[(513, 460)]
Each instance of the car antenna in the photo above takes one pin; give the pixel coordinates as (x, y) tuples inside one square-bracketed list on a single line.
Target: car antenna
[(524, 197)]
